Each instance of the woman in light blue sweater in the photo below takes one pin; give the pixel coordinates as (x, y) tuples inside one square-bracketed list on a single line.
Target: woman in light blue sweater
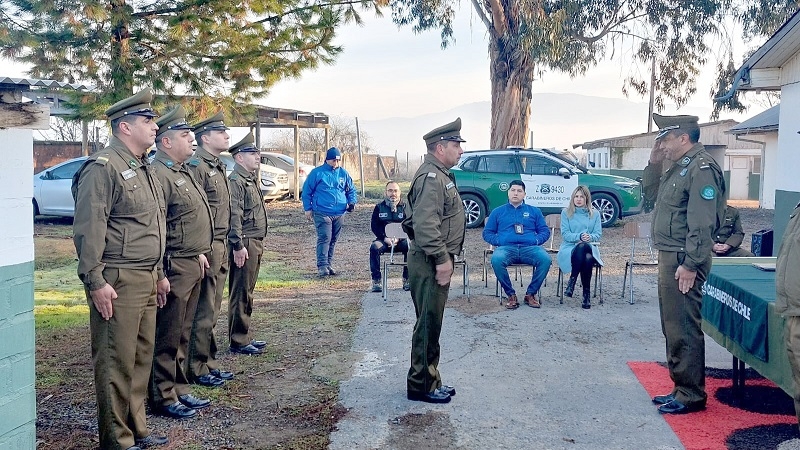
[(580, 228)]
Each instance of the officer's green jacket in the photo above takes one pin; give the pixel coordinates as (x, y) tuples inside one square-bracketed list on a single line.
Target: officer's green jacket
[(787, 283), (435, 218), (689, 203), (730, 230), (209, 171), (119, 214), (248, 213), (188, 215)]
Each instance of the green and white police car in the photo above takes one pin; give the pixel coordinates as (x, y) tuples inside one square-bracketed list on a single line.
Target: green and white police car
[(483, 177)]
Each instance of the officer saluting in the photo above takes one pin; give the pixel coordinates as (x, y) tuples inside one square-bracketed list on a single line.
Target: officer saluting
[(689, 200), (435, 222), (119, 234)]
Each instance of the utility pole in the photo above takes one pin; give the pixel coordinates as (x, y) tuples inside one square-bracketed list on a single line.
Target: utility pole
[(652, 96)]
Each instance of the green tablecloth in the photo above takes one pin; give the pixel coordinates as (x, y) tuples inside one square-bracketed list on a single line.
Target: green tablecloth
[(739, 314)]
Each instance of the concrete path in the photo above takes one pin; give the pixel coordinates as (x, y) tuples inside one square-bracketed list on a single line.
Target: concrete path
[(550, 378)]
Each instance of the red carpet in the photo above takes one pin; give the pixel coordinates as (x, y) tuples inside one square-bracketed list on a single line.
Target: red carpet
[(722, 425)]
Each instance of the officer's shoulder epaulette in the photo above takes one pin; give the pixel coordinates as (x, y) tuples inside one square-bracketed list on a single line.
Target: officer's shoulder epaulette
[(431, 175), (703, 163), (101, 158)]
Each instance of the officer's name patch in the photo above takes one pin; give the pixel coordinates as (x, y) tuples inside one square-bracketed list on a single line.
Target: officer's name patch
[(708, 192), (450, 185), (212, 173), (128, 174), (180, 182)]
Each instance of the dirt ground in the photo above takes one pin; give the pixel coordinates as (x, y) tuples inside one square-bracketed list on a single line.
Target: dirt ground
[(288, 397)]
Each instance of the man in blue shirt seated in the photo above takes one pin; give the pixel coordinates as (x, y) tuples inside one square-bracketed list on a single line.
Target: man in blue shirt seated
[(517, 230)]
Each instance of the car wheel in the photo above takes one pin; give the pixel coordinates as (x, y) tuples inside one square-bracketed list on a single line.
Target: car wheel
[(474, 209), (35, 209), (608, 208)]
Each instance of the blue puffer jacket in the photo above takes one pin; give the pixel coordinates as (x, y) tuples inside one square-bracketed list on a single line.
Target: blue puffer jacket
[(328, 191), (499, 229)]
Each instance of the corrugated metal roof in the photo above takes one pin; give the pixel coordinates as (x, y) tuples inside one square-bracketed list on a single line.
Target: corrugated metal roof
[(779, 48), (764, 121), (35, 82)]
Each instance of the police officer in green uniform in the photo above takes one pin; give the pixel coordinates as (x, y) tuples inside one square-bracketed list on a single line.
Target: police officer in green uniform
[(185, 264), (245, 244), (729, 237), (119, 234), (209, 171), (689, 200), (436, 224)]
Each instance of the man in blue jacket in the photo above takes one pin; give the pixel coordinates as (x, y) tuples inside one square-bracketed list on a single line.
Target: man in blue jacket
[(327, 193), (517, 230)]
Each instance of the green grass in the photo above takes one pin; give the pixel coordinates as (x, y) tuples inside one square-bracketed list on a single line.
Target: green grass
[(275, 274), (58, 297)]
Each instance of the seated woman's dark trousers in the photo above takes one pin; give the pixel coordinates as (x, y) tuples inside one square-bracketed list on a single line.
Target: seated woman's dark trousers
[(583, 263)]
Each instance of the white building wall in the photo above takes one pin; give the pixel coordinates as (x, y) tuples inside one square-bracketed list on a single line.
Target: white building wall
[(771, 167), (788, 140)]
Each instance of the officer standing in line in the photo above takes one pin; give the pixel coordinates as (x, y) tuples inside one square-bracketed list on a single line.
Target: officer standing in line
[(728, 239), (245, 243), (435, 223), (787, 299), (689, 201), (212, 139), (119, 234), (188, 240)]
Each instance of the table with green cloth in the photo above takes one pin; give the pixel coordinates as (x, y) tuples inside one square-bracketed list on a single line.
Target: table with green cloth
[(739, 314)]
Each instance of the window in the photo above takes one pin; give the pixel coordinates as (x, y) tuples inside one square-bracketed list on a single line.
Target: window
[(756, 164), (498, 164), (539, 165), (66, 171), (469, 165)]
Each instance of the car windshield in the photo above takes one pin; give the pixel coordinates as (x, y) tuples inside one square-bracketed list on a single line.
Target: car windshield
[(567, 159), (286, 159)]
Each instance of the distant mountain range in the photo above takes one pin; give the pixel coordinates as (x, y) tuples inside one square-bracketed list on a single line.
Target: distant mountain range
[(558, 121)]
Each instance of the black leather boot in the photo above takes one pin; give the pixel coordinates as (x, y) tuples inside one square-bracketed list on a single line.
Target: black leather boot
[(570, 286), (587, 301)]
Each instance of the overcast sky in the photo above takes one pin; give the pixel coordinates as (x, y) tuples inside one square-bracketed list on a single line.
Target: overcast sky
[(387, 72)]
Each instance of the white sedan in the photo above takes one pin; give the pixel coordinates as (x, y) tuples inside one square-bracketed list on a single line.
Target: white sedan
[(52, 189)]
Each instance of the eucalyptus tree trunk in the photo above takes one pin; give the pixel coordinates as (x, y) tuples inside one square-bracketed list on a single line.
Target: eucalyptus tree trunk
[(511, 72)]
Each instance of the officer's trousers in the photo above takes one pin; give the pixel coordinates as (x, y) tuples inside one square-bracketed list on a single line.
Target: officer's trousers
[(173, 330), (241, 285), (429, 301), (122, 353), (203, 345), (681, 324), (792, 338)]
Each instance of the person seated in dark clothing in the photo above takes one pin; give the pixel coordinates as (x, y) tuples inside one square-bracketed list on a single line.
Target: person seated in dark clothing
[(390, 210), (729, 237)]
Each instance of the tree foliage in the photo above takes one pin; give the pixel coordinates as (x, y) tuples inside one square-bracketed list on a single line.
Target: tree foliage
[(527, 38), (218, 52)]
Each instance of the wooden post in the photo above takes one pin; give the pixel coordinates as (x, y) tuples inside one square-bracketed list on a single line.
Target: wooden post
[(84, 137), (360, 158), (296, 174)]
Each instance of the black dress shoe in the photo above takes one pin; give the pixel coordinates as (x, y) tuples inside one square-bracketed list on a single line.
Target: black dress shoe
[(676, 407), (436, 396), (209, 380), (222, 374), (449, 390), (177, 411), (151, 441), (663, 399), (331, 271), (258, 344), (246, 350), (193, 402)]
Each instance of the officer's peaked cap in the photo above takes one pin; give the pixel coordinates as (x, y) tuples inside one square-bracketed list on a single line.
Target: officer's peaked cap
[(669, 123), (137, 105), (173, 120), (449, 132)]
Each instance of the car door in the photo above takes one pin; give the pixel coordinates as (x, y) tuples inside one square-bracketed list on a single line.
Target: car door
[(55, 193), (545, 188)]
